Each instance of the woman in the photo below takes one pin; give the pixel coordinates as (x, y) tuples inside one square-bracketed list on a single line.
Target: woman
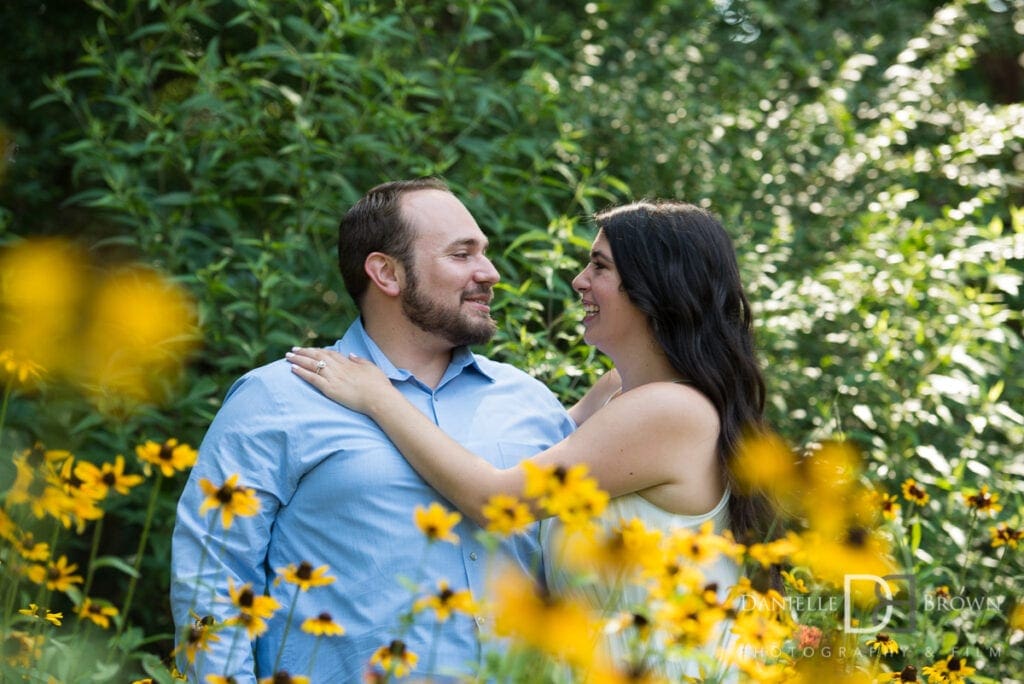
[(662, 298)]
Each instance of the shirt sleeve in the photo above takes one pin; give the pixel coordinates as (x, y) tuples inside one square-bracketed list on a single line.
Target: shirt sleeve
[(247, 439)]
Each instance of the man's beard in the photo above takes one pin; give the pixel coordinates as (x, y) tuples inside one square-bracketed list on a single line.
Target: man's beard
[(450, 323)]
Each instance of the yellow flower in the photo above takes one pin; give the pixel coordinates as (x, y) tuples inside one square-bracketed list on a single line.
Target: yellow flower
[(507, 515), (559, 627), (914, 493), (395, 658), (775, 552), (689, 619), (1005, 535), (858, 551), (139, 329), (983, 501), (30, 549), (59, 576), (952, 669), (33, 610), (764, 462), (249, 603), (282, 677), (794, 582), (437, 523), (19, 368), (21, 649), (888, 505), (884, 644), (305, 576), (198, 640), (322, 625), (762, 633), (99, 612), (565, 492), (446, 601), (230, 498), (40, 489), (170, 456), (109, 476), (1016, 621), (907, 674)]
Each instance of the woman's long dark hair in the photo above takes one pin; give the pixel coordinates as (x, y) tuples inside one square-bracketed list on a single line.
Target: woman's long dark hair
[(678, 265)]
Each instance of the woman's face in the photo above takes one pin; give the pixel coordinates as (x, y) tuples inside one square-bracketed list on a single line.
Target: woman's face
[(609, 317)]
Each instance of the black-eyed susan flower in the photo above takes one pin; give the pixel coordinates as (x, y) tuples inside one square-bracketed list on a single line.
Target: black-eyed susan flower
[(322, 625), (1004, 535), (557, 626), (283, 677), (688, 619), (20, 368), (795, 582), (883, 644), (395, 658), (907, 674), (764, 462), (170, 457), (951, 669), (33, 612), (218, 679), (437, 523), (775, 552), (759, 632), (568, 493), (100, 612), (39, 488), (57, 576), (857, 551), (250, 603), (305, 576), (21, 649), (888, 504), (983, 501), (446, 601), (231, 498), (914, 493), (506, 515), (26, 545), (198, 639), (106, 477)]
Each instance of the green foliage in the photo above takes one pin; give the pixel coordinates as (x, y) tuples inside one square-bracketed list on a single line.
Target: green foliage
[(866, 157)]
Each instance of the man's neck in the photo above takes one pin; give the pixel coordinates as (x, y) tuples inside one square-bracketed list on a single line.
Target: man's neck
[(424, 355)]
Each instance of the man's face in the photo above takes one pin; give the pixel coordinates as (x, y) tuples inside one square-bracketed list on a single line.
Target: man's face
[(448, 282)]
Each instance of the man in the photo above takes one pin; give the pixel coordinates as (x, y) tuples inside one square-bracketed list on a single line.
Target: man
[(333, 491)]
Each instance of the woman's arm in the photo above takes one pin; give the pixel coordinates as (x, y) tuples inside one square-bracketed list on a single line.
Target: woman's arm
[(654, 435), (596, 397)]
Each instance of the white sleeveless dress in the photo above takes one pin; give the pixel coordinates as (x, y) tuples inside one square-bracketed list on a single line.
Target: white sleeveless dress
[(565, 582)]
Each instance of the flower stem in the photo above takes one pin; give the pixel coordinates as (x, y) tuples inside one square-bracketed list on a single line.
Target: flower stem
[(139, 553), (3, 407), (287, 626)]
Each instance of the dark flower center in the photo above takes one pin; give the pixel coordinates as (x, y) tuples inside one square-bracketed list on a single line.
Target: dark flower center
[(305, 571), (246, 598)]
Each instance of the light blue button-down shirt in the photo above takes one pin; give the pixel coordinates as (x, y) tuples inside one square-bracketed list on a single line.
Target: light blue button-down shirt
[(334, 491)]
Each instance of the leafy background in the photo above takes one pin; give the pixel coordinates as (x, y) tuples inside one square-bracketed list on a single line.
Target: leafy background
[(866, 157)]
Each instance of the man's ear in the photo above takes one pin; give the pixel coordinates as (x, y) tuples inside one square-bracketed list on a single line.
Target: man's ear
[(386, 273)]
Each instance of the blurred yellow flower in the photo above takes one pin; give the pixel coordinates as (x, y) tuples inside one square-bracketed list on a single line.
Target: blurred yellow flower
[(437, 523), (30, 549), (859, 551), (140, 327), (305, 576), (33, 611), (1004, 535), (395, 659), (776, 552), (232, 499), (506, 515), (282, 677), (883, 644), (170, 456), (764, 462), (907, 674), (100, 612), (322, 625), (108, 476), (21, 649), (914, 493), (983, 501), (556, 626), (42, 287), (22, 370), (57, 576), (951, 669), (568, 493), (198, 640), (759, 632), (446, 601)]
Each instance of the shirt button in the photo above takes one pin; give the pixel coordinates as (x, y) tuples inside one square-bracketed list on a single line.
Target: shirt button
[(480, 620), (472, 556)]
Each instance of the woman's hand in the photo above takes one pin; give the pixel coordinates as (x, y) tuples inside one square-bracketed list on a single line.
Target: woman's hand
[(350, 380)]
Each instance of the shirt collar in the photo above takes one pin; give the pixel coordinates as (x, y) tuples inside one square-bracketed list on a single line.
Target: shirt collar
[(358, 341)]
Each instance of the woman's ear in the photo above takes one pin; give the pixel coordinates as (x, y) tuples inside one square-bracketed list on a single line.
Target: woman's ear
[(385, 272)]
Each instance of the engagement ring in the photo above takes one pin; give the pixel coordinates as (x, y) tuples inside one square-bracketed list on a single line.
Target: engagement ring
[(320, 365)]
